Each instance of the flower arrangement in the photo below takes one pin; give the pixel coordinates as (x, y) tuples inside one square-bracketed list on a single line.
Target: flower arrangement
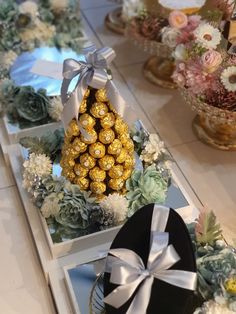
[(73, 212), (26, 26), (216, 266), (26, 107), (203, 68)]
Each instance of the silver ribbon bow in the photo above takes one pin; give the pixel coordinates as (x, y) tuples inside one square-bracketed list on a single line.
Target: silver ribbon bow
[(128, 271), (92, 72)]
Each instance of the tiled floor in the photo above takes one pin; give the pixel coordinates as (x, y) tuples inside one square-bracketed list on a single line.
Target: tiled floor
[(211, 173)]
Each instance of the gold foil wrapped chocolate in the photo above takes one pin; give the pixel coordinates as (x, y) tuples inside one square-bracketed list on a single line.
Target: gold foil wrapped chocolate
[(120, 126), (87, 161), (73, 129), (97, 150), (79, 146), (83, 106), (101, 95), (126, 174), (129, 162), (91, 138), (106, 162), (87, 93), (106, 136), (97, 174), (80, 171), (116, 184), (122, 156), (129, 145), (116, 171), (99, 109), (68, 174), (98, 187), (87, 121), (115, 147), (83, 183), (108, 120)]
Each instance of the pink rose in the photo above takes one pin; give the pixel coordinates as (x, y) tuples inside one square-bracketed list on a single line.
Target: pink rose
[(178, 19), (211, 60)]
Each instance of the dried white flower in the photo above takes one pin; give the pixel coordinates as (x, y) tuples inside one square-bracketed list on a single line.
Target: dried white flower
[(29, 7), (211, 307), (131, 8), (169, 36), (153, 148), (117, 205), (228, 78), (59, 5), (50, 207), (35, 168), (41, 31), (207, 35), (55, 109), (7, 59), (180, 52)]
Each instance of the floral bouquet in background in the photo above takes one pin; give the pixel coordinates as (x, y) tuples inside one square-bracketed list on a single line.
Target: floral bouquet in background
[(206, 74), (204, 68), (71, 211)]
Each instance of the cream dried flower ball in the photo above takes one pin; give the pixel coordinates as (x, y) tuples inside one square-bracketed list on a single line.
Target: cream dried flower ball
[(117, 205)]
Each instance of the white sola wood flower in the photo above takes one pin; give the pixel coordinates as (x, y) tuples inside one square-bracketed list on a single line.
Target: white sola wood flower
[(211, 307), (207, 35), (117, 205), (29, 7), (55, 108), (228, 78), (59, 5), (153, 148), (35, 168)]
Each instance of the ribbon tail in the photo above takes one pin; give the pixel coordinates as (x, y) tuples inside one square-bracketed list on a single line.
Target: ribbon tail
[(179, 278), (122, 294), (140, 302)]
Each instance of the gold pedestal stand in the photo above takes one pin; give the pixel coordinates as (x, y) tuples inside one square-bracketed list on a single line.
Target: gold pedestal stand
[(213, 126), (114, 21), (218, 135), (159, 71)]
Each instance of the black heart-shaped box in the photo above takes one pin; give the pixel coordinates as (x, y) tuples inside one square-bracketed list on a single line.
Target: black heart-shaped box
[(135, 235)]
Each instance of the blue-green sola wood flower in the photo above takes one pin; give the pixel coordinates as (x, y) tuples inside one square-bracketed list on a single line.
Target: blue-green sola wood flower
[(144, 188), (75, 208), (31, 105)]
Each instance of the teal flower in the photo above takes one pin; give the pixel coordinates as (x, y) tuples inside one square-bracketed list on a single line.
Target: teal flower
[(31, 105), (144, 188)]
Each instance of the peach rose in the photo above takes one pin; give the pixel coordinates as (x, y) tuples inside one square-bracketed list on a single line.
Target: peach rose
[(211, 60), (178, 19)]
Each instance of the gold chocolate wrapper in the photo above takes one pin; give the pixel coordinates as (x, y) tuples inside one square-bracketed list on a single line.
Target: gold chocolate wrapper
[(116, 184), (115, 147), (122, 156), (80, 171), (126, 174), (87, 161), (106, 162), (69, 174), (98, 187), (83, 106), (73, 129), (116, 171), (92, 137), (97, 150), (83, 183), (129, 162), (101, 95), (106, 136), (97, 174), (87, 121), (120, 126), (99, 109), (108, 121), (79, 146)]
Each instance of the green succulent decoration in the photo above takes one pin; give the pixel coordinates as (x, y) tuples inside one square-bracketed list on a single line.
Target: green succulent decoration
[(49, 144), (31, 105), (207, 229), (144, 188)]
